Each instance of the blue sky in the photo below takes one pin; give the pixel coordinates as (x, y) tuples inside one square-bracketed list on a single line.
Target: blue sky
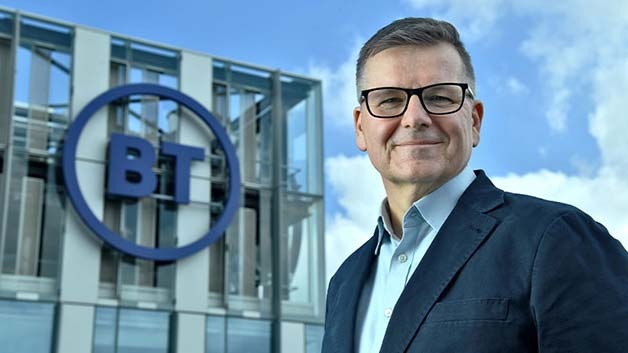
[(553, 78)]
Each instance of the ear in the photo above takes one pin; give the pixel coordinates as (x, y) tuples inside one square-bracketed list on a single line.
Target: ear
[(476, 115), (360, 140)]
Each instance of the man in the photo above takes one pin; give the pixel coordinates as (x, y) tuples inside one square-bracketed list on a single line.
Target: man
[(455, 264)]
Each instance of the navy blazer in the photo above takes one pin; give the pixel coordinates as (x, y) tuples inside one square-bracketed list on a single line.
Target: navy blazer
[(506, 273)]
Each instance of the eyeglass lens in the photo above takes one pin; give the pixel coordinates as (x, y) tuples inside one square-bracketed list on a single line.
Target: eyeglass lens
[(439, 99)]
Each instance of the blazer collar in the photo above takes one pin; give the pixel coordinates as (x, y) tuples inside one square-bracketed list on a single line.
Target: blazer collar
[(460, 236)]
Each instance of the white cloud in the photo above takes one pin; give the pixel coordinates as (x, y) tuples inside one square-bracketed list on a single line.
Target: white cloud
[(604, 197), (567, 38), (608, 122), (557, 111), (542, 151), (472, 18), (360, 192), (584, 167), (563, 47), (339, 92), (515, 86), (576, 49), (573, 47)]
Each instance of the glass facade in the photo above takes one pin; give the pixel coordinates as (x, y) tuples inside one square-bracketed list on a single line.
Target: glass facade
[(301, 205), (252, 103), (237, 335), (240, 263), (151, 221), (33, 197), (265, 271), (313, 338), (302, 138), (118, 330), (26, 327)]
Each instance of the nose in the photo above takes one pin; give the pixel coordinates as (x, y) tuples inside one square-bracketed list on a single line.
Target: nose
[(415, 115)]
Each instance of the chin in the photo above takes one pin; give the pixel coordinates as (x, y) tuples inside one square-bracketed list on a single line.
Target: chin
[(417, 177)]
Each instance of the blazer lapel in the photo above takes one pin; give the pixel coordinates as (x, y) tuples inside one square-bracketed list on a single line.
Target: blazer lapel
[(350, 283), (463, 232)]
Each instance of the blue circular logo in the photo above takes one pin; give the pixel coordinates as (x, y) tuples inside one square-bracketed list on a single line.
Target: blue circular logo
[(85, 212)]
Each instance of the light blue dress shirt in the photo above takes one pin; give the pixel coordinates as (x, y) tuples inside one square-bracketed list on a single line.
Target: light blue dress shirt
[(398, 257)]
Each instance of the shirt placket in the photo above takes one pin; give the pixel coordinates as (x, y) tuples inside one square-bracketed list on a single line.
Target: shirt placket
[(401, 261)]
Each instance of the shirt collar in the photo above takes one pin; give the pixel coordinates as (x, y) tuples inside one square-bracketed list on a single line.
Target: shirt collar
[(435, 207)]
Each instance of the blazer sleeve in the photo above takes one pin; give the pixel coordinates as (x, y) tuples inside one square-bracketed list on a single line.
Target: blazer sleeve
[(329, 301), (579, 289)]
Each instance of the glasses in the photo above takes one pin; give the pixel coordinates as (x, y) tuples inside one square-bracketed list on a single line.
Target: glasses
[(437, 99)]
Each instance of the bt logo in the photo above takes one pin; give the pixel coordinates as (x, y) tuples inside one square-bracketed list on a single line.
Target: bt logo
[(144, 181), (130, 175)]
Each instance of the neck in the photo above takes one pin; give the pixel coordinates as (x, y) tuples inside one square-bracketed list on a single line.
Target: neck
[(400, 199)]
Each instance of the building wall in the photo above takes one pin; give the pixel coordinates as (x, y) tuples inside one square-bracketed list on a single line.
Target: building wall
[(258, 288)]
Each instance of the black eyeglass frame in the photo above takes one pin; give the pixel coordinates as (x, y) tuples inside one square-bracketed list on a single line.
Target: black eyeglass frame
[(466, 90)]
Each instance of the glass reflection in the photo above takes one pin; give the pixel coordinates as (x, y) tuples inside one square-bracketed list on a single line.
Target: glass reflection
[(36, 211), (313, 338), (150, 222), (215, 334), (302, 161), (243, 103), (26, 327), (301, 244), (245, 336), (131, 331)]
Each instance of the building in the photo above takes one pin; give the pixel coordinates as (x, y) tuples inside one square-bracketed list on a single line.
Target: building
[(259, 288)]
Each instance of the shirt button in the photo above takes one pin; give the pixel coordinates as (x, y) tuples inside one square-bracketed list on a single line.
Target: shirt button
[(403, 258), (388, 312)]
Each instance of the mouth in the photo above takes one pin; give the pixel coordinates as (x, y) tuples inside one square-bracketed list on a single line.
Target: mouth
[(426, 143)]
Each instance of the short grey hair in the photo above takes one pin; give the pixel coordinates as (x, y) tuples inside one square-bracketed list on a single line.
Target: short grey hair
[(422, 32)]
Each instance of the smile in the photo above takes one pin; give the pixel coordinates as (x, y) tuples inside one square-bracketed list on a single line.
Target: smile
[(426, 143)]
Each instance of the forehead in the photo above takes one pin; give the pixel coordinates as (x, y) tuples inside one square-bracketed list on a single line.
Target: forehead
[(414, 66)]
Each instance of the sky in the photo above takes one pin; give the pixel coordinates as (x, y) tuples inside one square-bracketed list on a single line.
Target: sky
[(553, 77)]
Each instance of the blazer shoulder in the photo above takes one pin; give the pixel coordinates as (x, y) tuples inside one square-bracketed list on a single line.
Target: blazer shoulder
[(555, 220), (537, 210), (519, 212), (522, 200)]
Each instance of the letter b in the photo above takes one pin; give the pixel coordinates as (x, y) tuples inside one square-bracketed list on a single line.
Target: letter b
[(130, 171)]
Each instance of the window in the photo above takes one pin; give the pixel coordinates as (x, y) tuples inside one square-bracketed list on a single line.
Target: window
[(215, 335), (6, 81), (150, 222), (247, 252), (245, 335), (26, 327), (119, 330), (242, 335), (301, 209), (301, 247), (302, 129), (35, 212), (313, 338), (240, 262), (243, 99), (243, 102)]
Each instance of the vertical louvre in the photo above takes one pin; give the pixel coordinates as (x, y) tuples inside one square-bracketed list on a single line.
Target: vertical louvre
[(39, 90), (146, 234), (6, 81), (30, 226), (216, 266), (248, 257)]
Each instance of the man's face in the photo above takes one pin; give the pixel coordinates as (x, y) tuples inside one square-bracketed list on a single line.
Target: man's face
[(417, 148)]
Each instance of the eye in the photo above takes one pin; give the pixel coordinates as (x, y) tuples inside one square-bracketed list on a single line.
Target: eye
[(390, 101), (438, 100), (386, 98)]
